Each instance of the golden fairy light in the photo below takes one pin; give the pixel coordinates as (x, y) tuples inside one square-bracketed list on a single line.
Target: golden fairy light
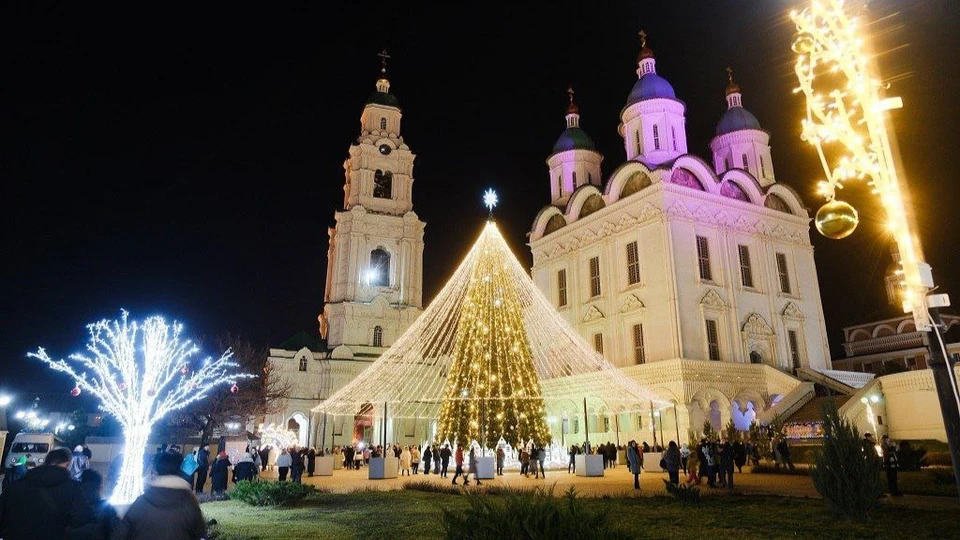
[(846, 111)]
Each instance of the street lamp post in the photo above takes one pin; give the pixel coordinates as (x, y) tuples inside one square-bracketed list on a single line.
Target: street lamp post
[(854, 114)]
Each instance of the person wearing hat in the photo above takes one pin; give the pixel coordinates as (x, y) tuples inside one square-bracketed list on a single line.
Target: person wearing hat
[(244, 469), (79, 463), (218, 473)]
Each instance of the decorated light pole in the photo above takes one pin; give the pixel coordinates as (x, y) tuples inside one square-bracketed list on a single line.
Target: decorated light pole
[(845, 109)]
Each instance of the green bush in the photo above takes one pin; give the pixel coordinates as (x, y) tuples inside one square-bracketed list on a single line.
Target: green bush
[(846, 476), (537, 515), (271, 493), (683, 493), (432, 487)]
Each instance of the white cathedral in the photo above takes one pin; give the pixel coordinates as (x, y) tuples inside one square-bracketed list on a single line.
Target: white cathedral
[(695, 278)]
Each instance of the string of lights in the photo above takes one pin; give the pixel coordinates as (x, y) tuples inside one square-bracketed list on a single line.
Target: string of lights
[(140, 373), (844, 107), (489, 357)]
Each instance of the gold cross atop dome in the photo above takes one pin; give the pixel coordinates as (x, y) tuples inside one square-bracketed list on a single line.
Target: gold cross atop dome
[(384, 56)]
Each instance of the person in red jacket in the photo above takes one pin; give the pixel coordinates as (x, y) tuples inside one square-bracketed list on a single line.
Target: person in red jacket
[(458, 459)]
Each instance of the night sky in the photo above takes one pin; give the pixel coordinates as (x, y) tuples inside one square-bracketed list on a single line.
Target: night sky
[(189, 162)]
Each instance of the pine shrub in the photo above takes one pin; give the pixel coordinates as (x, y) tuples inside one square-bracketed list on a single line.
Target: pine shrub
[(846, 477), (271, 493), (537, 515), (684, 493)]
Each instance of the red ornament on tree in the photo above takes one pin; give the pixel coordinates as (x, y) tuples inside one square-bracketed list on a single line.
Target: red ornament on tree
[(234, 389), (76, 391)]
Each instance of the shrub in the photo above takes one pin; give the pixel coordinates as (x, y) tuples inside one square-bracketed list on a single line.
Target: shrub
[(271, 493), (684, 493), (537, 515), (846, 477), (431, 487), (940, 459)]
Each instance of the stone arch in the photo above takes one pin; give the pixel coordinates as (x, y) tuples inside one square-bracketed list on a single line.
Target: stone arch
[(883, 330), (578, 199), (592, 204), (906, 327), (543, 219), (732, 190), (634, 184), (378, 271), (745, 182), (709, 404), (555, 223), (689, 167), (298, 424), (683, 177), (859, 334), (788, 197)]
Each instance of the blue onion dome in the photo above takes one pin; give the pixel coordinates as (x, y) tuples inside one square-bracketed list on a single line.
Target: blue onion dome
[(650, 86), (573, 138), (736, 119)]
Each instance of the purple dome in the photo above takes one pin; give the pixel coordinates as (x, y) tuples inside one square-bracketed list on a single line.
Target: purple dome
[(736, 119)]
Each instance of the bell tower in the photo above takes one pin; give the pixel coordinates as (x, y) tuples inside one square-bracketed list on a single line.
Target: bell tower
[(374, 281)]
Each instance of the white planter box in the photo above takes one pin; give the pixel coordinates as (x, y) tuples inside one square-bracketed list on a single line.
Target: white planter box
[(589, 465), (486, 467), (651, 461), (324, 466), (381, 468)]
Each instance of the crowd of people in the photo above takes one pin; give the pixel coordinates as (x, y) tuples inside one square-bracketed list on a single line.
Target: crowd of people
[(62, 498)]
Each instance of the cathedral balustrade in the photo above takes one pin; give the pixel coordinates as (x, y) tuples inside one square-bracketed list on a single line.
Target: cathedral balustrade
[(884, 344)]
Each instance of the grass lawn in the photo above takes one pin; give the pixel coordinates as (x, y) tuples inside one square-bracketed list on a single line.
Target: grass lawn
[(926, 482), (414, 514)]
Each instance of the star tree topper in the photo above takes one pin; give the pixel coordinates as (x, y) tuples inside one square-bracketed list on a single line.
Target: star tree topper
[(490, 200)]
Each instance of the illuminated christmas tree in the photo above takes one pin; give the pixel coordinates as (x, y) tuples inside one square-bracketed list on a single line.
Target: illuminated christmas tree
[(140, 373), (490, 357), (493, 389)]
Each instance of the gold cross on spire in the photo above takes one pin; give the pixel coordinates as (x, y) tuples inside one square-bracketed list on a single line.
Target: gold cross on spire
[(570, 93), (383, 61), (643, 38), (729, 71)]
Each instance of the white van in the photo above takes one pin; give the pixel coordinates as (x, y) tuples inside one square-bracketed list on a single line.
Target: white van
[(34, 446)]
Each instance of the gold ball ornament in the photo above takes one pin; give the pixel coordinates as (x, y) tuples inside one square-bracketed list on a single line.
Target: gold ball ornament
[(803, 43), (837, 219)]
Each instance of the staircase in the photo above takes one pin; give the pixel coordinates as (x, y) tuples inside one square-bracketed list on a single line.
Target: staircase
[(789, 404), (845, 383)]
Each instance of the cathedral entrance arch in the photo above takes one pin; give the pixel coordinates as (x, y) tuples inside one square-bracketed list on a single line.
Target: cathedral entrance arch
[(363, 423), (297, 423)]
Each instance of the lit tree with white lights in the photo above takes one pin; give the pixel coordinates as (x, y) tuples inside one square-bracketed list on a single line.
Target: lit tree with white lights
[(141, 372)]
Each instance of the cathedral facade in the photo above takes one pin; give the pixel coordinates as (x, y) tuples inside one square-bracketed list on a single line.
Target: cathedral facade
[(695, 276)]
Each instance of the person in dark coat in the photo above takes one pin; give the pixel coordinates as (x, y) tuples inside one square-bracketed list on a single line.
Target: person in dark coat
[(244, 469), (296, 465), (46, 503), (444, 460), (14, 472), (218, 473), (168, 509), (726, 464), (311, 461), (633, 462), (671, 458), (107, 519), (427, 459), (891, 464), (203, 465), (739, 455)]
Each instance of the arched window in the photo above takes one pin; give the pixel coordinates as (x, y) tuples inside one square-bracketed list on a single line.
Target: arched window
[(303, 363), (656, 137), (377, 336), (755, 358), (383, 124), (382, 184), (378, 274), (575, 179)]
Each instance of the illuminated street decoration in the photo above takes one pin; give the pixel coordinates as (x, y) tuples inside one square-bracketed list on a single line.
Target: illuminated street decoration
[(489, 358), (137, 372), (845, 108)]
